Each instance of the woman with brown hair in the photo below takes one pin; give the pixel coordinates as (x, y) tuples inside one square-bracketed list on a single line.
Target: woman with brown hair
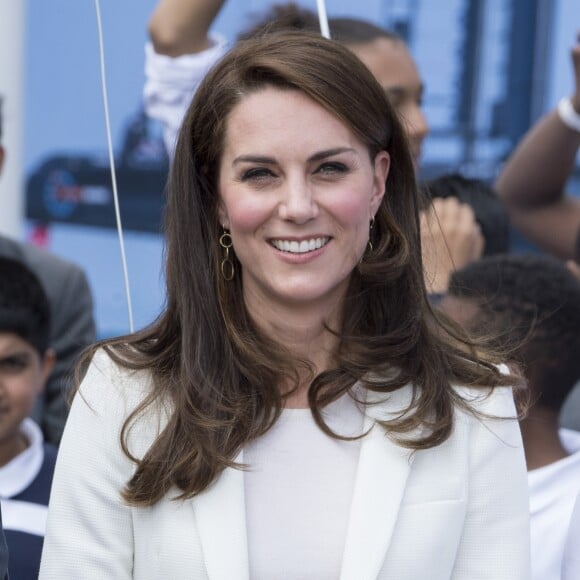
[(294, 412)]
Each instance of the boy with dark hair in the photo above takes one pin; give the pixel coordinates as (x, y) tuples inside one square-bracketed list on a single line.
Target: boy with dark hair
[(530, 306), (26, 462)]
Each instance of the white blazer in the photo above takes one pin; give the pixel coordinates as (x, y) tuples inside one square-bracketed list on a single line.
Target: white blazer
[(458, 511)]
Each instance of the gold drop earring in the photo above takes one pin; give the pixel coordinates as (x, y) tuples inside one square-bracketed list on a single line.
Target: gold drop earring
[(370, 244), (227, 265)]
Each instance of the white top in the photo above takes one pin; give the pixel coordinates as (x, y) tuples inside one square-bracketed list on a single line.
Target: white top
[(298, 494), (571, 564), (23, 515), (553, 490), (171, 83), (22, 470)]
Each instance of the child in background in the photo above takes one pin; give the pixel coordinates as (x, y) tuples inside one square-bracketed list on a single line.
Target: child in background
[(26, 462), (531, 305)]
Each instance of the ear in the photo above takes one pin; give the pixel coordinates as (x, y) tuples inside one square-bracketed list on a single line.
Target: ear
[(223, 215), (47, 364), (382, 165)]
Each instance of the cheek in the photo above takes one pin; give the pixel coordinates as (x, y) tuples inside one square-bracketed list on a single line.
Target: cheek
[(245, 212), (22, 391), (352, 209)]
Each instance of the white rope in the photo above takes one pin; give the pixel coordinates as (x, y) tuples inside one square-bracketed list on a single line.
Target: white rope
[(112, 165), (323, 18)]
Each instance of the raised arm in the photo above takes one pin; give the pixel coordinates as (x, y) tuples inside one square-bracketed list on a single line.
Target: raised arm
[(178, 57), (532, 183), (179, 27)]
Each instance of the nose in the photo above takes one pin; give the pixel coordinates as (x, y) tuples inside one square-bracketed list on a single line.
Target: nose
[(298, 203), (416, 122)]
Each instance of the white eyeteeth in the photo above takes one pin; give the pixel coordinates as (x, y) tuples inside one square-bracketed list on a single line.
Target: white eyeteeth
[(302, 247)]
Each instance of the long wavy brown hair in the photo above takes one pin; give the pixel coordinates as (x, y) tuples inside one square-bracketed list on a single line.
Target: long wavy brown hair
[(206, 356)]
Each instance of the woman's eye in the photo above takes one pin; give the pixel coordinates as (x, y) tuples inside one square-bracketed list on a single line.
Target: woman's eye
[(257, 174), (331, 168)]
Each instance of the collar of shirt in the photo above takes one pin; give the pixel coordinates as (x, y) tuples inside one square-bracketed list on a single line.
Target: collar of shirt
[(19, 473)]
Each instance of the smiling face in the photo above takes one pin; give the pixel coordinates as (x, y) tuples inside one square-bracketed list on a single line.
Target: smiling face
[(23, 374), (297, 191), (395, 70)]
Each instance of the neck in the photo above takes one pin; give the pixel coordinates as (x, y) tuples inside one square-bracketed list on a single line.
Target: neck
[(302, 329), (542, 443), (12, 446)]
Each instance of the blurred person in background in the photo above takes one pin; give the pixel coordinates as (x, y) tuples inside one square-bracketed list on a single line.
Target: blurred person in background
[(26, 460), (530, 304)]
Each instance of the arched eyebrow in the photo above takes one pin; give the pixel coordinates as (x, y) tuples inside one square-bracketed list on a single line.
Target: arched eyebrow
[(330, 153), (271, 161), (254, 159)]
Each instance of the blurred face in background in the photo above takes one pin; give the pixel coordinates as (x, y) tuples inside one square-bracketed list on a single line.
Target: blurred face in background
[(23, 373), (395, 70)]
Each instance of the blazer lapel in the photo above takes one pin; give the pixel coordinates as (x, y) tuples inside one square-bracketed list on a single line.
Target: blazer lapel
[(381, 477), (221, 519)]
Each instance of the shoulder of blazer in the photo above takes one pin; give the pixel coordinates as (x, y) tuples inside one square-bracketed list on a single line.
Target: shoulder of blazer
[(483, 405), (114, 392)]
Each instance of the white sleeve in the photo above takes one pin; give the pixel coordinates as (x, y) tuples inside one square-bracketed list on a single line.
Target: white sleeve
[(89, 529), (571, 565), (495, 544), (170, 83)]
